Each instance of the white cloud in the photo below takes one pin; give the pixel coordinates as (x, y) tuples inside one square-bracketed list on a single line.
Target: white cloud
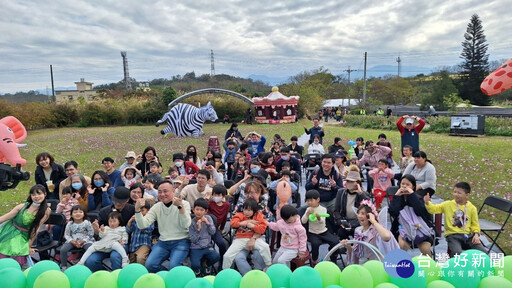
[(82, 39)]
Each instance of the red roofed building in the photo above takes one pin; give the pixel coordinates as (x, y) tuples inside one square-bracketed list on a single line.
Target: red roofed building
[(276, 108)]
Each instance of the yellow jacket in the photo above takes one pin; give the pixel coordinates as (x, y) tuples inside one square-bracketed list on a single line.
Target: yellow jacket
[(448, 208)]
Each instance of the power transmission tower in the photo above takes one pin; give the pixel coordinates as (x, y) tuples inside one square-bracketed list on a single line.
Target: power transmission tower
[(399, 61), (348, 86), (127, 80), (212, 69)]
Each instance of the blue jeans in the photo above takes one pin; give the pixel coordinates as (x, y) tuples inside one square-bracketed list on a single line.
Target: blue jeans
[(196, 255), (243, 265), (177, 250), (94, 261)]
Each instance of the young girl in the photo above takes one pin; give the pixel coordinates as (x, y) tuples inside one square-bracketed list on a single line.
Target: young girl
[(239, 169), (21, 224), (316, 147), (407, 159), (66, 203), (294, 238), (113, 237), (359, 150), (150, 193), (78, 234), (130, 176), (371, 232), (100, 191), (248, 222), (208, 157), (381, 176)]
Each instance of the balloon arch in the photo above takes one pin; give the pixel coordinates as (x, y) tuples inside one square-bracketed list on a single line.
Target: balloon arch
[(211, 91)]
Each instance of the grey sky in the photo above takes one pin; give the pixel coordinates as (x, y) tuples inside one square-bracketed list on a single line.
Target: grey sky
[(83, 39)]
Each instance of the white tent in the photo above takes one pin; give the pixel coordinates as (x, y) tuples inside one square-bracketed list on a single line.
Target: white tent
[(341, 102)]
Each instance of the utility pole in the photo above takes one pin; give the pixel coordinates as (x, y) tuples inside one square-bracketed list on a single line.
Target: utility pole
[(349, 71), (212, 69), (399, 61), (364, 79), (53, 86), (127, 81)]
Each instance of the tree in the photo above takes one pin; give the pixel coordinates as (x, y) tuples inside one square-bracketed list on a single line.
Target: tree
[(442, 87), (168, 95), (476, 63)]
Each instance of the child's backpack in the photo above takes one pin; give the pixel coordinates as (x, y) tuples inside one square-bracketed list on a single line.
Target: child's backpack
[(412, 226)]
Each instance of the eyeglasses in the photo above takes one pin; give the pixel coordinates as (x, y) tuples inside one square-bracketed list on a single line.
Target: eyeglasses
[(251, 192)]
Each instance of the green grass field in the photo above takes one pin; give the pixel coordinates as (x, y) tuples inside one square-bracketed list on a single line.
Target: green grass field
[(485, 162)]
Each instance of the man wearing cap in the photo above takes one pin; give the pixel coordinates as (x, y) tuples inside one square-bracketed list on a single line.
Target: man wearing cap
[(410, 133), (173, 217), (120, 199), (192, 192), (130, 160), (326, 181), (184, 167)]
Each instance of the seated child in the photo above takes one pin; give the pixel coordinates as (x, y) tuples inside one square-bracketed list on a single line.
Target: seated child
[(201, 231), (140, 239), (293, 236), (407, 159), (150, 193), (248, 222), (113, 237), (66, 202), (130, 176), (154, 171), (462, 230), (173, 173), (371, 232), (381, 176), (384, 142), (317, 231), (219, 209), (78, 234)]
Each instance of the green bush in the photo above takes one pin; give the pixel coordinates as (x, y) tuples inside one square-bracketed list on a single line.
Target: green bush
[(370, 122)]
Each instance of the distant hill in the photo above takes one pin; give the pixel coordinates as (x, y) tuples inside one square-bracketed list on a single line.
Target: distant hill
[(272, 81)]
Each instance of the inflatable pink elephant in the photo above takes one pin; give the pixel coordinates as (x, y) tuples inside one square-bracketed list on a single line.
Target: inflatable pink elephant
[(12, 133)]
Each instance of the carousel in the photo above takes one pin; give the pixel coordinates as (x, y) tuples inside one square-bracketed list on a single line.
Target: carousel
[(276, 108)]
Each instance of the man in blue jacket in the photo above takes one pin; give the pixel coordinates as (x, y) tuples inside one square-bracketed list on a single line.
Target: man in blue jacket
[(315, 130), (326, 181)]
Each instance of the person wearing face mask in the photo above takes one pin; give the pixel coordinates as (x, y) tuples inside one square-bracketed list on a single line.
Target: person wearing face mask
[(79, 190), (219, 208), (233, 133), (344, 216), (192, 155), (285, 156), (184, 167), (100, 191), (316, 147)]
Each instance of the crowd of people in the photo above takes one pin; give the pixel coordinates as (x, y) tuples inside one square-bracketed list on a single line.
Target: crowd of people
[(144, 214)]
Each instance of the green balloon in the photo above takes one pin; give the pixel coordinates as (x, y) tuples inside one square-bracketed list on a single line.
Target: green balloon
[(198, 283), (305, 277), (506, 269), (100, 279), (115, 274), (356, 276), (494, 282), (414, 281), (329, 272), (430, 266), (210, 278), (482, 262), (52, 279), (149, 280), (386, 285), (334, 286), (440, 284), (9, 263), (228, 278), (451, 274), (279, 275), (256, 279), (16, 277), (38, 269), (77, 275), (129, 274), (26, 271), (162, 274), (179, 276), (376, 269)]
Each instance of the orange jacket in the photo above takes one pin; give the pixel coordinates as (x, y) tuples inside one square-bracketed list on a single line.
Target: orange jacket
[(244, 232)]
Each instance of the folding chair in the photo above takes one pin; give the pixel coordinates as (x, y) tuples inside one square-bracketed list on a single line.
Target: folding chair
[(53, 203), (390, 192), (54, 219), (488, 226)]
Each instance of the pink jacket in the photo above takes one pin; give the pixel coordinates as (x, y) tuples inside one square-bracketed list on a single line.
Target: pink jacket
[(381, 179), (293, 235), (66, 208)]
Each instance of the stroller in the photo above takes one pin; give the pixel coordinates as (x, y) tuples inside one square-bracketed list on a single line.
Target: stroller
[(310, 162)]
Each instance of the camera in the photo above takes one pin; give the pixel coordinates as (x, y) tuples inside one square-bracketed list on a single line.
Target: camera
[(11, 176)]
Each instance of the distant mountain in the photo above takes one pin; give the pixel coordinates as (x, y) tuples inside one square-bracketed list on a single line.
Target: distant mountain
[(406, 71), (269, 79)]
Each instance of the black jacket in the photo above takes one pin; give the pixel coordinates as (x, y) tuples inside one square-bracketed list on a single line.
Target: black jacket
[(58, 174), (340, 212), (417, 204)]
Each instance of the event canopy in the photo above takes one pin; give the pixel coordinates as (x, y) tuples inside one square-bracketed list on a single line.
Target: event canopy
[(276, 108)]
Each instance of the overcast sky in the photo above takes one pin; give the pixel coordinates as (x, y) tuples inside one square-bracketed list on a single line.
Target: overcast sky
[(83, 39)]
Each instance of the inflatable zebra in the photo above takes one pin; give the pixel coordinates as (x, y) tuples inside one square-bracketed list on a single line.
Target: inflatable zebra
[(186, 120)]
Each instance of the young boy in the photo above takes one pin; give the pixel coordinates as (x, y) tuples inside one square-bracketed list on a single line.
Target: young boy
[(384, 142), (150, 193), (407, 159), (154, 171), (317, 231), (140, 240), (462, 230), (201, 231), (230, 147), (381, 176), (220, 209)]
